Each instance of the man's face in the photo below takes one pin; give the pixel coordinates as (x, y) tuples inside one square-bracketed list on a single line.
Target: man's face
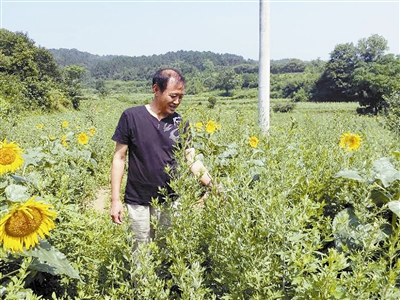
[(169, 100)]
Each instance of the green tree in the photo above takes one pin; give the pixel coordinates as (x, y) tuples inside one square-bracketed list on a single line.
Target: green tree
[(372, 49), (250, 80), (359, 73), (336, 81), (375, 80), (29, 75), (392, 120), (228, 80), (72, 77), (101, 88)]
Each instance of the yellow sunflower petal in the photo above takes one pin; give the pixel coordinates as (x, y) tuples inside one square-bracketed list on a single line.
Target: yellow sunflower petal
[(211, 126), (350, 141), (253, 141), (10, 157), (83, 138), (23, 225)]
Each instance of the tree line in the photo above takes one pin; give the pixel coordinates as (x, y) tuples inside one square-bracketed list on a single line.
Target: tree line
[(33, 77), (362, 73)]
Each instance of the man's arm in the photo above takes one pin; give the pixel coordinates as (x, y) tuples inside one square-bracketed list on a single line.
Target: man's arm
[(197, 167), (117, 172)]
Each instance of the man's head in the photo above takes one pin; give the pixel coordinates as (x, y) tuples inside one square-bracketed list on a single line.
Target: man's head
[(162, 77), (168, 88)]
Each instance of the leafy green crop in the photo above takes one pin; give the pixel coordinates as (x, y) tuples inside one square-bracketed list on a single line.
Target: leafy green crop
[(298, 217)]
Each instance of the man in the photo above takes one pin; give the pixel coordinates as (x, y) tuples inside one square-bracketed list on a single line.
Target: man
[(148, 134)]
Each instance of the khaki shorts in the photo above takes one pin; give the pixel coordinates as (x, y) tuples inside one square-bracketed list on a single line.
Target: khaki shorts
[(140, 217)]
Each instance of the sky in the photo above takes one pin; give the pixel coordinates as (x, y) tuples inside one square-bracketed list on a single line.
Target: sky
[(302, 29)]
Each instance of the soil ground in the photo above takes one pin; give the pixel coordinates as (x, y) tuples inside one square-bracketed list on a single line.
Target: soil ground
[(102, 197)]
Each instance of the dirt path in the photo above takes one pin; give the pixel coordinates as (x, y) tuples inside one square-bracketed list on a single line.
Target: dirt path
[(102, 197)]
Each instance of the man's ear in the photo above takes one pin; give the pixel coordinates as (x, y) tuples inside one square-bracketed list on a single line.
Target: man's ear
[(155, 88)]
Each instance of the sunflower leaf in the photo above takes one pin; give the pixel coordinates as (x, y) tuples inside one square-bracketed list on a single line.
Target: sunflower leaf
[(349, 174), (379, 197), (15, 192), (257, 162), (33, 156), (228, 153), (51, 260), (394, 206), (386, 171), (18, 178), (383, 164)]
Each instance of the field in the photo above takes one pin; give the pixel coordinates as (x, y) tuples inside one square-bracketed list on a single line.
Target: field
[(299, 216)]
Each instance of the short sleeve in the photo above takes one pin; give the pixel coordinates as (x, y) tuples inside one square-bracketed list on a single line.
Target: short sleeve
[(121, 134)]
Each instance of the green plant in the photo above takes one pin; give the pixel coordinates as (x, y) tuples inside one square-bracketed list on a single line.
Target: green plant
[(211, 101), (283, 227), (392, 118), (283, 107)]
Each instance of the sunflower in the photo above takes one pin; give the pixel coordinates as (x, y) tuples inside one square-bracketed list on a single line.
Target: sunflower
[(24, 223), (83, 138), (199, 126), (350, 141), (253, 141), (211, 127), (64, 124), (39, 126), (10, 158), (92, 131), (64, 140)]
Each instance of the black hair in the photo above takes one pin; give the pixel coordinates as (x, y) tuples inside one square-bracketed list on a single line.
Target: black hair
[(161, 78)]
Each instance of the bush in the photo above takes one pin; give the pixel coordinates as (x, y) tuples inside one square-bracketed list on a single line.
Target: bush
[(283, 107), (211, 102), (29, 77), (392, 118)]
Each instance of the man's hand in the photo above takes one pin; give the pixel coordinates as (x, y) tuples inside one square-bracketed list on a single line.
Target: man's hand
[(117, 211)]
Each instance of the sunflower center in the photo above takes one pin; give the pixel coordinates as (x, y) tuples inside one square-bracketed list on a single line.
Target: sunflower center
[(21, 223), (7, 156)]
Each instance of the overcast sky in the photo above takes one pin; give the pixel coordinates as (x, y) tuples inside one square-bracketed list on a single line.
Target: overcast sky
[(299, 29)]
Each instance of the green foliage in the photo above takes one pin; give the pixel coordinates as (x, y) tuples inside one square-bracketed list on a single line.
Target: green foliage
[(288, 66), (30, 78), (43, 258), (298, 217), (228, 80), (101, 88), (336, 79), (212, 101), (125, 68), (283, 107), (284, 226), (297, 87), (392, 118), (250, 80), (375, 80), (359, 73), (72, 77)]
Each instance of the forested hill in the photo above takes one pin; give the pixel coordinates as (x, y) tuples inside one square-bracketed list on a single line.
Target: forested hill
[(143, 67), (66, 57)]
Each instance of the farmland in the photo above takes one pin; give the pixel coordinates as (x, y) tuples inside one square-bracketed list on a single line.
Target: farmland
[(299, 217)]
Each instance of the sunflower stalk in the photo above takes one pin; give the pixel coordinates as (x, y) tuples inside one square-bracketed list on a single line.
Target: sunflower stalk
[(11, 273)]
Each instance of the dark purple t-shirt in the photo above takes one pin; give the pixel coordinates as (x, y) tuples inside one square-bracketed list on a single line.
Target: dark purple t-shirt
[(151, 145)]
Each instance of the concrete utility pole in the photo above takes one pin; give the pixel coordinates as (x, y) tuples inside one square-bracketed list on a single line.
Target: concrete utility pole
[(264, 66)]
